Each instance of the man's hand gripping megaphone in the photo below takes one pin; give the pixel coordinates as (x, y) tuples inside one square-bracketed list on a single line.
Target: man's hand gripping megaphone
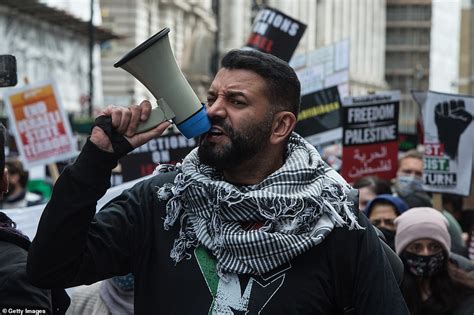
[(116, 129)]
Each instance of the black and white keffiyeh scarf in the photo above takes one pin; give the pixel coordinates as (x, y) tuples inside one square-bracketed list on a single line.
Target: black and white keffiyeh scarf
[(298, 205)]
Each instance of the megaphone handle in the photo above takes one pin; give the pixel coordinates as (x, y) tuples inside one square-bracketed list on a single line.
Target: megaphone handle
[(158, 115), (120, 144)]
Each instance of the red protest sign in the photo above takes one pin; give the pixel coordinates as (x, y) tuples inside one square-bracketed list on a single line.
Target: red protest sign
[(370, 136), (378, 159), (41, 128)]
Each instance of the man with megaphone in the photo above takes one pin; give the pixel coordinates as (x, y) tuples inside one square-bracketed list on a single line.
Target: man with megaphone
[(252, 221)]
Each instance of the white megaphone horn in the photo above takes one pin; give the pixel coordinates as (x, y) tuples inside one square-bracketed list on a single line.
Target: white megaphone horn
[(155, 66)]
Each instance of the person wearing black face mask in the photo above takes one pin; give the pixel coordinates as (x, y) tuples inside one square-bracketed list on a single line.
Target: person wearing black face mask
[(423, 243), (382, 211)]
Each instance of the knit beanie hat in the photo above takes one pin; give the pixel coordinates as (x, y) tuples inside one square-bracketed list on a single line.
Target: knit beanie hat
[(418, 223), (399, 205)]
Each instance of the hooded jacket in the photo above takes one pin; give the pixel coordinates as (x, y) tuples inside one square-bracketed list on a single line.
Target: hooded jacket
[(15, 289), (398, 203)]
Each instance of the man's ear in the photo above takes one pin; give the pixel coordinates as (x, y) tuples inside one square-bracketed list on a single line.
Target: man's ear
[(283, 124), (4, 184)]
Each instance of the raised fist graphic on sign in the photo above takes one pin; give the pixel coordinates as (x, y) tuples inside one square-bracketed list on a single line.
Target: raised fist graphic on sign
[(452, 119)]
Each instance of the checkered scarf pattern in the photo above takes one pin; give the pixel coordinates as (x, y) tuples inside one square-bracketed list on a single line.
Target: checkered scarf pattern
[(298, 205)]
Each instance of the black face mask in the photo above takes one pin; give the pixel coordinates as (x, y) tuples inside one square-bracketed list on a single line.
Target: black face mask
[(389, 237), (423, 266)]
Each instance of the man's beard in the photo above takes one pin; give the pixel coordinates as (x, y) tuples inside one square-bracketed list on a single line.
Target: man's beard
[(243, 145)]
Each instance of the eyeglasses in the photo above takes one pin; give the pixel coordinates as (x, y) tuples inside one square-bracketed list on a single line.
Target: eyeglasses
[(386, 222)]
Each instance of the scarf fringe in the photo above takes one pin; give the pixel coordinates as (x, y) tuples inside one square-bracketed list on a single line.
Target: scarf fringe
[(186, 240), (210, 211), (292, 216)]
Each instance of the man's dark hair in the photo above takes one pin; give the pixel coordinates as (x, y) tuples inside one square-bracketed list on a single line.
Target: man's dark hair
[(417, 199), (16, 167), (283, 86), (376, 184)]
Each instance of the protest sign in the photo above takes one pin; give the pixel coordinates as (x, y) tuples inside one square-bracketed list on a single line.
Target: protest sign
[(166, 149), (275, 33), (323, 68), (320, 116), (448, 141), (370, 136), (41, 129)]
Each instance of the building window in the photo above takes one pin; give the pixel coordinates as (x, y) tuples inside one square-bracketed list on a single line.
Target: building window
[(408, 12)]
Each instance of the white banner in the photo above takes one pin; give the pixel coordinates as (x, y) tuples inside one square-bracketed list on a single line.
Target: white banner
[(448, 141), (323, 68), (27, 219)]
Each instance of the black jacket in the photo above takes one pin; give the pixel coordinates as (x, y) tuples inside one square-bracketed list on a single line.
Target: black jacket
[(74, 246), (15, 289)]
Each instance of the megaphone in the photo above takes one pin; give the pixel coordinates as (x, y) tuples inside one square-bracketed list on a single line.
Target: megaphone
[(154, 65)]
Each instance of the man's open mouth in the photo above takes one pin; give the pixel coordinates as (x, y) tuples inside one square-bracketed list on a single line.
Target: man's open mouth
[(215, 132)]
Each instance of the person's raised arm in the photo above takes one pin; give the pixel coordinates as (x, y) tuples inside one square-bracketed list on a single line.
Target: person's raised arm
[(73, 245)]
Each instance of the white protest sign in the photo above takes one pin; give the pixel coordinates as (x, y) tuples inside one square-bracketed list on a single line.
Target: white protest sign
[(320, 69), (448, 140)]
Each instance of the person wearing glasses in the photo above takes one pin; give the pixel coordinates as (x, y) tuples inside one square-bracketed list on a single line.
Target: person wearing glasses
[(382, 211)]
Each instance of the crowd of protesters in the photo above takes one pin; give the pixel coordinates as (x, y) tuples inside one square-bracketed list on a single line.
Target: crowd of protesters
[(436, 246), (438, 260)]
